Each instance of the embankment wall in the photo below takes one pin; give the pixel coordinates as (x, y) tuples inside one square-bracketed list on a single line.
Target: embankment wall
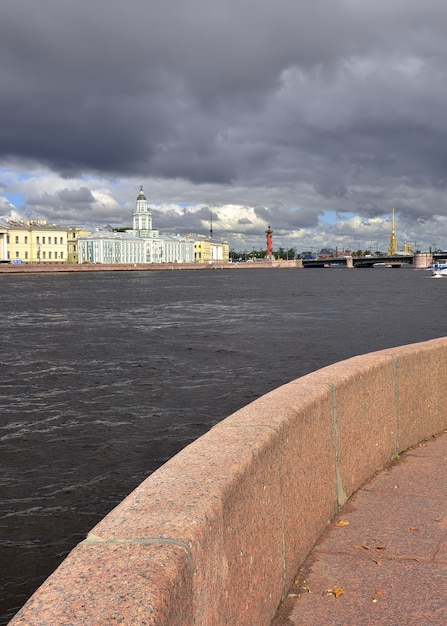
[(216, 535), (42, 268)]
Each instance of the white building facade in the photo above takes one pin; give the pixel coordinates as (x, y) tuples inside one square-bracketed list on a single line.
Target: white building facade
[(110, 247)]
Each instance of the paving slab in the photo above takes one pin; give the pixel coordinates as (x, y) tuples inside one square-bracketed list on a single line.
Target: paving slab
[(383, 560)]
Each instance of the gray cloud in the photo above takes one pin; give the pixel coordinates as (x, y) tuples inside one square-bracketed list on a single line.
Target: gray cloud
[(300, 107), (83, 196)]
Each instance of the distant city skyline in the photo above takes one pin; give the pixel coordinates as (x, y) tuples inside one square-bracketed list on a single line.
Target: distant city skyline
[(204, 218), (316, 118)]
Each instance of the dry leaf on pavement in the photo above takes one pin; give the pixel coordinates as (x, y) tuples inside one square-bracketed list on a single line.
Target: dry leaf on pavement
[(334, 592)]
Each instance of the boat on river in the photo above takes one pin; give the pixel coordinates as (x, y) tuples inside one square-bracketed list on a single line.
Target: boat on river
[(439, 269)]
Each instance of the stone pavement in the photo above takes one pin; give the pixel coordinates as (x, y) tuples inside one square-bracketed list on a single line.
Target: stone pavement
[(383, 560)]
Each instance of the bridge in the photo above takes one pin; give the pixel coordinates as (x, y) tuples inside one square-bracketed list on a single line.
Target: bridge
[(396, 260), (360, 261)]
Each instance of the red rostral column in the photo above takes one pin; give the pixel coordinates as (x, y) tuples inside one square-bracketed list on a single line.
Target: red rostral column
[(269, 233)]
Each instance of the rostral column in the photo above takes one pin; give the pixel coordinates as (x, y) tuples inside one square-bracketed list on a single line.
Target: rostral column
[(269, 233)]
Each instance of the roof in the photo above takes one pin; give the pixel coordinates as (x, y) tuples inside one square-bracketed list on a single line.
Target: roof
[(102, 234)]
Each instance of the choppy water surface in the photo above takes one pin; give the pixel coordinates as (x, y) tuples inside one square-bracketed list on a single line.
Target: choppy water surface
[(105, 376)]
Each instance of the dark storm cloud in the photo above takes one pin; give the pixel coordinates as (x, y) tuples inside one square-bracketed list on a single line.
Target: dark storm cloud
[(77, 196), (329, 186), (287, 219), (321, 105), (73, 205)]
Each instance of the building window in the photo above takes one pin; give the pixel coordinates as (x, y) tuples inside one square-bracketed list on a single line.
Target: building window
[(43, 239), (61, 241), (26, 255), (49, 239), (49, 255), (17, 239), (26, 239), (37, 239), (43, 255), (9, 255), (17, 255)]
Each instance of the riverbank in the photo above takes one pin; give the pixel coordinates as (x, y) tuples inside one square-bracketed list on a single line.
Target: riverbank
[(219, 532), (9, 268)]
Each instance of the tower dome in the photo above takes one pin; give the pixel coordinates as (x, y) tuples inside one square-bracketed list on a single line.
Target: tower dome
[(141, 195)]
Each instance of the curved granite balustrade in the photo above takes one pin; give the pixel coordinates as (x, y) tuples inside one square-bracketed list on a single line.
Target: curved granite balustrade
[(216, 535)]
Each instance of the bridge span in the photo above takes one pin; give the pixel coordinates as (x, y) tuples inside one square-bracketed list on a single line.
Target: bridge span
[(419, 261)]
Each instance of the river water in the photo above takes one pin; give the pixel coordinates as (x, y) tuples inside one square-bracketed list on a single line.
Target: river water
[(105, 376)]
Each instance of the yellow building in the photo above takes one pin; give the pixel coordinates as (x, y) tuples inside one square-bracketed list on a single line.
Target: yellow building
[(32, 242), (72, 241), (208, 250)]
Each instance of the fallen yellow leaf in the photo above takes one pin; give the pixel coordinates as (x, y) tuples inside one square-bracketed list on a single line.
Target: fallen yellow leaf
[(342, 522), (334, 592)]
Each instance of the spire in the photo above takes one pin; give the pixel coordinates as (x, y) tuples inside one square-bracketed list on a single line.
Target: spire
[(392, 247)]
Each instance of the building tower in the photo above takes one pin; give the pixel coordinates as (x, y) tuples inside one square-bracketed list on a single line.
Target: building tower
[(392, 247), (142, 218), (269, 233)]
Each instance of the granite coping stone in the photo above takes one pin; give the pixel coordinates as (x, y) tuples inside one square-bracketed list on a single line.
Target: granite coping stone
[(128, 583)]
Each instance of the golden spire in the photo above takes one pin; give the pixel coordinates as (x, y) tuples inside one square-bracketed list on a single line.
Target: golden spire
[(392, 247)]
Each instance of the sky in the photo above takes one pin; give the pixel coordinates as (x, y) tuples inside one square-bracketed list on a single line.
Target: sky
[(315, 118)]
